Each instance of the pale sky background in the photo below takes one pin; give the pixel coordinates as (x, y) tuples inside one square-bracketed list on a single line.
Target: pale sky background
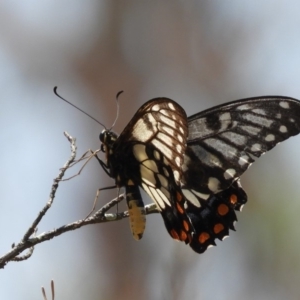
[(199, 53)]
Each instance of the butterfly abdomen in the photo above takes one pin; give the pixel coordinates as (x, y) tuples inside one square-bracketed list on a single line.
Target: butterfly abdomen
[(136, 211)]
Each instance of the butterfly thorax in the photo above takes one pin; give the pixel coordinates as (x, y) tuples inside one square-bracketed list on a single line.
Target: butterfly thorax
[(122, 166), (120, 163)]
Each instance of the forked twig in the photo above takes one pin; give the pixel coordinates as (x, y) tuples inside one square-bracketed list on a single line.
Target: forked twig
[(30, 238), (52, 291), (54, 187)]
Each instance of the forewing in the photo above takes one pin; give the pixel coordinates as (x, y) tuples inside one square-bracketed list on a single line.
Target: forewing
[(223, 141), (157, 180), (157, 136), (161, 124)]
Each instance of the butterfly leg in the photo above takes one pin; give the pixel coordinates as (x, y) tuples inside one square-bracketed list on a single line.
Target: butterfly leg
[(103, 165), (97, 197)]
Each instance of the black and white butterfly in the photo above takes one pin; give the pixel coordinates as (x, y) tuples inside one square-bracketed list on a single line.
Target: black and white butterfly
[(191, 166)]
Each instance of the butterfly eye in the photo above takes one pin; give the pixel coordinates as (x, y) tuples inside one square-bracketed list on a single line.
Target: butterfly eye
[(102, 136)]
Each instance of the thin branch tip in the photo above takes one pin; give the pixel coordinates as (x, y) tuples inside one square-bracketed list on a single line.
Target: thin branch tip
[(69, 137)]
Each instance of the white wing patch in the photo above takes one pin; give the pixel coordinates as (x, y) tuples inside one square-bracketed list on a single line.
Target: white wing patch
[(140, 130), (259, 120), (139, 151), (284, 104), (190, 196), (168, 136)]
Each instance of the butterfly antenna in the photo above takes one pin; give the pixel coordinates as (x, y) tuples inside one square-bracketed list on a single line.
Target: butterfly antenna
[(55, 92), (118, 109)]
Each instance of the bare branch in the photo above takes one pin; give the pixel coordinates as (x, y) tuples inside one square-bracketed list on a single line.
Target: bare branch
[(30, 239), (52, 291), (32, 228), (44, 293), (98, 217), (23, 257)]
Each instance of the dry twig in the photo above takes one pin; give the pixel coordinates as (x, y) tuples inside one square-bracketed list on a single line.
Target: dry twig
[(52, 291), (30, 238)]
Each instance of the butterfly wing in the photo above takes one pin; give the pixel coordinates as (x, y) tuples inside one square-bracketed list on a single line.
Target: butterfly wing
[(223, 142), (215, 217), (191, 167), (157, 137), (161, 124)]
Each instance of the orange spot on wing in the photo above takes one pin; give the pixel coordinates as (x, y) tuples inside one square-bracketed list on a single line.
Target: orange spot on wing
[(178, 196), (179, 208), (186, 225), (203, 237), (233, 199), (174, 234), (218, 228), (180, 237), (183, 235), (223, 209)]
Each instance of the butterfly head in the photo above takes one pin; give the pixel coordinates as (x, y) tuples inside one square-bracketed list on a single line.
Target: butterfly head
[(107, 139)]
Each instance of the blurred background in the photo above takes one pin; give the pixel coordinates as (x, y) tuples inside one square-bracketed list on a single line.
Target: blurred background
[(199, 53)]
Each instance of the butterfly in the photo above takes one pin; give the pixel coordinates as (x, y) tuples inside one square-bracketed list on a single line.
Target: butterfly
[(191, 166)]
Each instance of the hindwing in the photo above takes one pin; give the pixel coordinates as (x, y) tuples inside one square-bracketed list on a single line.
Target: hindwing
[(215, 216)]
